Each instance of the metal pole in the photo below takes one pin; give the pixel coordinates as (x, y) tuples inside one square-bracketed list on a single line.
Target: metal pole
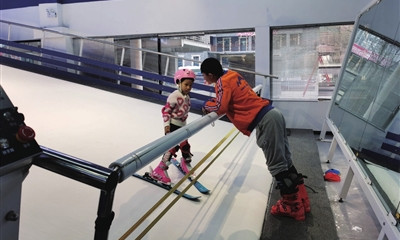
[(136, 160)]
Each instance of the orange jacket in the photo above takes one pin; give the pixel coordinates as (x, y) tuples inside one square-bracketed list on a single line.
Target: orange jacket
[(236, 99)]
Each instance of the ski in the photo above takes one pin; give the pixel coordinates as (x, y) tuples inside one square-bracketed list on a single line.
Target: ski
[(149, 179), (197, 184)]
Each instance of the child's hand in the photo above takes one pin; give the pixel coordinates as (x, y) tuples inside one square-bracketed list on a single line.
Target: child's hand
[(205, 112), (167, 129)]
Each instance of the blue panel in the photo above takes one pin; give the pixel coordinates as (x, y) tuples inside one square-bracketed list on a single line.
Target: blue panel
[(393, 136), (391, 148), (7, 4)]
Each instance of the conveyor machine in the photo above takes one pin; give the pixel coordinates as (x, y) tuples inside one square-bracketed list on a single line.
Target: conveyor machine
[(17, 149)]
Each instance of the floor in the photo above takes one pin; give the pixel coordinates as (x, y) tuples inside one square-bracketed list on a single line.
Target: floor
[(354, 217), (101, 127)]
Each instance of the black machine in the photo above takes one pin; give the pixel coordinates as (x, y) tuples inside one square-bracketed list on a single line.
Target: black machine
[(17, 149)]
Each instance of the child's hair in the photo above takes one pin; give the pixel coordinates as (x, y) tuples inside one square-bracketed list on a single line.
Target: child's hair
[(213, 66)]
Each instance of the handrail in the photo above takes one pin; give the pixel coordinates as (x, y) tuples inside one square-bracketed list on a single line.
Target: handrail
[(128, 47), (83, 171), (139, 158)]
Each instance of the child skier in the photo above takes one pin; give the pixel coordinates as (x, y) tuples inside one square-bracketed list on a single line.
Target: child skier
[(175, 113)]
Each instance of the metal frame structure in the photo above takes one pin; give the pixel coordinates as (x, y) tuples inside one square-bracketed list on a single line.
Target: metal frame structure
[(385, 218), (389, 224)]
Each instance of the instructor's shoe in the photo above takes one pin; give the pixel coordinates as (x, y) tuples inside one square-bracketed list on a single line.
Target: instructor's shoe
[(185, 165), (160, 174), (303, 194), (290, 205)]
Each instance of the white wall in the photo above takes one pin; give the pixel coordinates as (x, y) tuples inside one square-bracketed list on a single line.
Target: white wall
[(155, 16), (124, 17), (127, 17)]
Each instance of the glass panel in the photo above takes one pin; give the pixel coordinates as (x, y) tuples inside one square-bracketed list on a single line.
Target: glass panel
[(308, 61), (235, 50), (366, 107)]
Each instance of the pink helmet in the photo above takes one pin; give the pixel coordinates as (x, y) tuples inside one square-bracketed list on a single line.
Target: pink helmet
[(182, 74)]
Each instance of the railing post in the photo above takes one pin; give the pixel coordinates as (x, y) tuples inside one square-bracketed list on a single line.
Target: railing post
[(121, 63), (105, 214), (9, 32)]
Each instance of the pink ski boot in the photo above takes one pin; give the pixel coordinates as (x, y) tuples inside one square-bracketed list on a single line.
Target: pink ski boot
[(185, 165), (160, 174)]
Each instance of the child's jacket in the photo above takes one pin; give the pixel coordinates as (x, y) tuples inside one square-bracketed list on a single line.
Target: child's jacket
[(176, 109)]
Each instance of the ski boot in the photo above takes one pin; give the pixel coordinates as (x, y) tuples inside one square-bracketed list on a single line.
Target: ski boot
[(290, 205), (160, 174), (302, 189), (186, 158), (185, 165), (303, 193)]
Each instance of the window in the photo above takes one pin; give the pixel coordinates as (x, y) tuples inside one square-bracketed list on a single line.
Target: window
[(243, 44), (279, 41), (180, 62), (227, 44), (295, 39), (233, 48), (196, 58), (308, 61)]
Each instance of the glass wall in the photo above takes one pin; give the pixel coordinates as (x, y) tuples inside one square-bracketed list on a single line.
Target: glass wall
[(366, 105), (307, 61), (235, 49)]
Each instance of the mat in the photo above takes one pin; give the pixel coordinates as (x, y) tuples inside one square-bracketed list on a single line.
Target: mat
[(319, 223)]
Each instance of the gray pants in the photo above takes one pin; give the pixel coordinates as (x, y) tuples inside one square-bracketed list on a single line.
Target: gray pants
[(272, 139)]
